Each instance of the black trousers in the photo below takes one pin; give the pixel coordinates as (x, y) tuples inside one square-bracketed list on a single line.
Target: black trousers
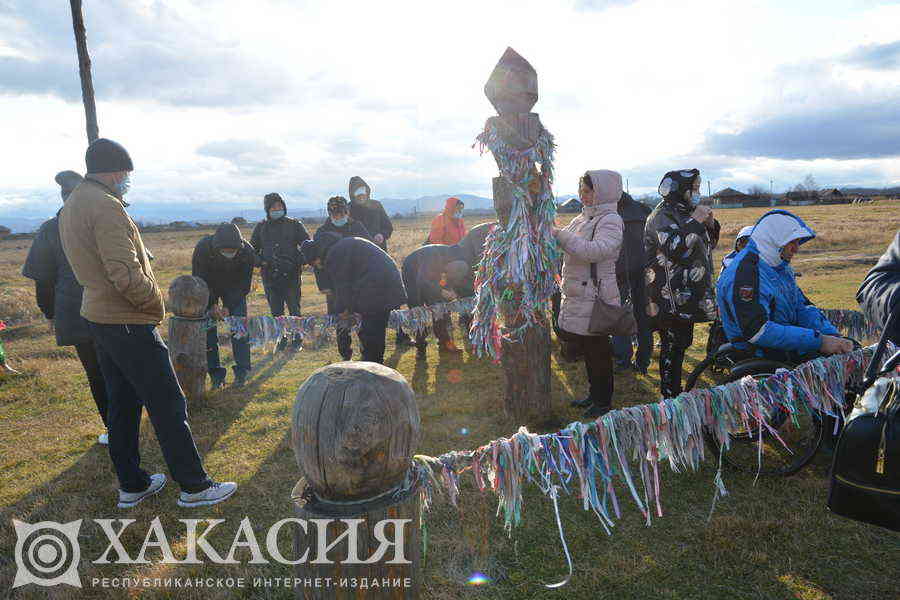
[(675, 337), (372, 331), (139, 374), (622, 347), (281, 292), (344, 342), (598, 364), (87, 354)]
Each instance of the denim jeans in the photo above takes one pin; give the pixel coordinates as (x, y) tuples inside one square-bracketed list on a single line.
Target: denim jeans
[(240, 348), (139, 374)]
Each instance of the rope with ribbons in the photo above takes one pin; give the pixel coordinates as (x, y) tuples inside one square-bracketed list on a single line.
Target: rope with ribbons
[(586, 459), (317, 330)]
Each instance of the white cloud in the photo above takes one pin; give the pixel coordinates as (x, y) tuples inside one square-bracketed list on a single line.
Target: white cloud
[(393, 92)]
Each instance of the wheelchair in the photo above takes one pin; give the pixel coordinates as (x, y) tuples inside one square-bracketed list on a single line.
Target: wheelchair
[(752, 451)]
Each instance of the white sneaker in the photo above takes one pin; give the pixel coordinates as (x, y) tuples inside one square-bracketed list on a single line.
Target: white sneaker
[(217, 492), (103, 438), (129, 499)]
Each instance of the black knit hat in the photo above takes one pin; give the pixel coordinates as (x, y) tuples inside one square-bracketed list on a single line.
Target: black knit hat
[(107, 156), (319, 246), (337, 204)]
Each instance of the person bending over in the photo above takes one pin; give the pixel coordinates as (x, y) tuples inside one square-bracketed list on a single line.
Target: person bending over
[(364, 280), (341, 223), (433, 274)]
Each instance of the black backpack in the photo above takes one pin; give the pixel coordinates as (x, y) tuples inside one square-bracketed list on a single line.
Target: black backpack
[(865, 474)]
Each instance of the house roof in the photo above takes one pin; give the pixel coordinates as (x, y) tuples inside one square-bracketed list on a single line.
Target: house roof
[(729, 193)]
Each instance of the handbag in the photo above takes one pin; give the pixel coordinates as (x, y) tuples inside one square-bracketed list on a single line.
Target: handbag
[(865, 474), (608, 319)]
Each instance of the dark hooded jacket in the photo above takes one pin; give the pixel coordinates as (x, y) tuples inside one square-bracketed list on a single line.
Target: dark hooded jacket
[(364, 278), (423, 270), (58, 291), (678, 267), (226, 277), (879, 293), (634, 216), (352, 228), (277, 243), (371, 214)]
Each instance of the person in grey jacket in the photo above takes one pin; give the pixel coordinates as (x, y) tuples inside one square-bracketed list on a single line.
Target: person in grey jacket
[(58, 296)]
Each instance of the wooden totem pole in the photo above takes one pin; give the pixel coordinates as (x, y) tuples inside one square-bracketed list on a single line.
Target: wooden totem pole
[(523, 151)]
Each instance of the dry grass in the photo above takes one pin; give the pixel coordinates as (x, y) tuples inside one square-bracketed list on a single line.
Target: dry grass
[(771, 540)]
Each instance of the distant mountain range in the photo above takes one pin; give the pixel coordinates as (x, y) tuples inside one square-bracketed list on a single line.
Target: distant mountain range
[(25, 214)]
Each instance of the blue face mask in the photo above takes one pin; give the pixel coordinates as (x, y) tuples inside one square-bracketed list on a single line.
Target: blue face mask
[(276, 214), (229, 254), (695, 199), (340, 222), (458, 214), (123, 186)]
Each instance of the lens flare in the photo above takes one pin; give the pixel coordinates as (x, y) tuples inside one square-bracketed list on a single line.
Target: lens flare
[(478, 579)]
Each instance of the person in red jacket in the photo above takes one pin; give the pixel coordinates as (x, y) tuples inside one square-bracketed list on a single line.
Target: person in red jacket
[(448, 227)]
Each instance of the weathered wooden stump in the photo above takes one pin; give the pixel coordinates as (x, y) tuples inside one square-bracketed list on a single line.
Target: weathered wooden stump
[(355, 428), (188, 299)]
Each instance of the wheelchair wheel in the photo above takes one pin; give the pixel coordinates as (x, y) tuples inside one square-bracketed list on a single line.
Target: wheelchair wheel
[(801, 434)]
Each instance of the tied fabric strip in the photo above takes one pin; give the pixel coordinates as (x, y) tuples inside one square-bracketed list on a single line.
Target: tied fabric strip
[(517, 274), (584, 459)]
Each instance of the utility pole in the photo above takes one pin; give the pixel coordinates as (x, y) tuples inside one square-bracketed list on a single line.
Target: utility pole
[(84, 70), (708, 192)]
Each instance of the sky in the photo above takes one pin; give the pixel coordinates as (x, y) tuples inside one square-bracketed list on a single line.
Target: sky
[(221, 101)]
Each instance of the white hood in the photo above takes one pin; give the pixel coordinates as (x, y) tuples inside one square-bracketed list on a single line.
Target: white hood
[(774, 231)]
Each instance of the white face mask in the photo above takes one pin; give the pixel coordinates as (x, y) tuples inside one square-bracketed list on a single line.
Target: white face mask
[(458, 214), (229, 254)]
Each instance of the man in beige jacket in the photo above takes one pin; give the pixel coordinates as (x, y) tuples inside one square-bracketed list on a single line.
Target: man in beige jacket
[(123, 305)]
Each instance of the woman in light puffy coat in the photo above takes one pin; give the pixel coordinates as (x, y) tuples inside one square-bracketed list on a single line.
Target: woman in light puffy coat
[(594, 236)]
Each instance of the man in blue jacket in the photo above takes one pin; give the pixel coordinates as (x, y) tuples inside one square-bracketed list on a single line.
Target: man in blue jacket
[(759, 301)]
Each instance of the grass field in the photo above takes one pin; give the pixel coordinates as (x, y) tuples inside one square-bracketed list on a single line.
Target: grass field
[(774, 539)]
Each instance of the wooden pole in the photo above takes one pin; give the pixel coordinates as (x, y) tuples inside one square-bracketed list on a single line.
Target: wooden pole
[(84, 70), (188, 299), (355, 428)]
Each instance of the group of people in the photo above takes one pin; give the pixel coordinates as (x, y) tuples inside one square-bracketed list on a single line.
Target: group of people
[(663, 262), (94, 280)]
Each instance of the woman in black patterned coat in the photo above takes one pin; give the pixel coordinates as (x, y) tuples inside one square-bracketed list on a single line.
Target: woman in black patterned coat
[(679, 239)]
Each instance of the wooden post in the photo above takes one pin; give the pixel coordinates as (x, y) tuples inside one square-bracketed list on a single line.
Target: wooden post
[(526, 363), (188, 300), (84, 70), (512, 89), (355, 428)]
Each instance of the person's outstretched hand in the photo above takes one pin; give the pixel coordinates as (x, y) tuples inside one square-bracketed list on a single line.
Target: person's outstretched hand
[(835, 345)]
